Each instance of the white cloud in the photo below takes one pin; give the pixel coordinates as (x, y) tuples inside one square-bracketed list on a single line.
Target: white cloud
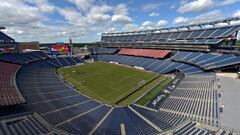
[(180, 20), (208, 17), (121, 19), (83, 4), (27, 20), (121, 9), (130, 27), (151, 6), (236, 13), (99, 13), (154, 14), (111, 29), (16, 13), (19, 32), (100, 17), (148, 24), (120, 15), (162, 23), (72, 16), (196, 6), (183, 2), (205, 17), (94, 14), (100, 9), (43, 5), (227, 2)]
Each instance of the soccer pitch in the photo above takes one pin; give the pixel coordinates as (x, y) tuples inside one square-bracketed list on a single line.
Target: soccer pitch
[(109, 83)]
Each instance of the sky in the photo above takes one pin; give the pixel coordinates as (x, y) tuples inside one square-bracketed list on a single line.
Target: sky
[(84, 20)]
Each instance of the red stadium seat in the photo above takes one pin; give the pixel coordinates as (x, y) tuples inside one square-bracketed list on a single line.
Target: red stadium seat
[(9, 95), (145, 52)]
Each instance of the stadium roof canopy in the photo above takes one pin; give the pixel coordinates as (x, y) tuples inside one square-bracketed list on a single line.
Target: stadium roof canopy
[(5, 40), (195, 34), (189, 27)]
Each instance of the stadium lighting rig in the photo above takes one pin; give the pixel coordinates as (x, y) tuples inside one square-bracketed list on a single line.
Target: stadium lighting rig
[(213, 23)]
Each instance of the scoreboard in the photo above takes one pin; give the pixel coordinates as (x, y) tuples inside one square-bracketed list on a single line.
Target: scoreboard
[(58, 49)]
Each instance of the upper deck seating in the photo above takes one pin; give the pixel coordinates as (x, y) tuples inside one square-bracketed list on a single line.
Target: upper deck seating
[(155, 65), (206, 60), (194, 36), (102, 50), (22, 58)]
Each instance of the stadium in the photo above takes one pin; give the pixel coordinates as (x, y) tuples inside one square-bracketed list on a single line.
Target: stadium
[(173, 80)]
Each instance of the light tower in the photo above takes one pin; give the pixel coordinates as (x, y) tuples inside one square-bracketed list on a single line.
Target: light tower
[(71, 47)]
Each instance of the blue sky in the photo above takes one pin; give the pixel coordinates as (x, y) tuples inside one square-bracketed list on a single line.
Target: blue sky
[(84, 20)]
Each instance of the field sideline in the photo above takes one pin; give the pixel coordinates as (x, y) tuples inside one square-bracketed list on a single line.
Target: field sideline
[(108, 82)]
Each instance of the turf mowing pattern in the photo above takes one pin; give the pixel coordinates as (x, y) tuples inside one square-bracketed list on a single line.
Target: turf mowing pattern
[(109, 83)]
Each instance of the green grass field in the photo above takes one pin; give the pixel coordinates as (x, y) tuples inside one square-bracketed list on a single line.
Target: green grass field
[(110, 83), (144, 100)]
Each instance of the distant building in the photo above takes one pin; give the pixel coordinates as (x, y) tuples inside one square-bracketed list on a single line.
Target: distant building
[(28, 45)]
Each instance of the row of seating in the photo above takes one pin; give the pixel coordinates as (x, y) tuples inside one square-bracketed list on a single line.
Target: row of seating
[(51, 104), (9, 94), (155, 65), (85, 123), (145, 52), (62, 106), (123, 115), (194, 128), (27, 124), (195, 36), (163, 119), (195, 99), (191, 128), (22, 58), (102, 50), (55, 102), (174, 123), (227, 132), (68, 110), (206, 60), (173, 42), (64, 61)]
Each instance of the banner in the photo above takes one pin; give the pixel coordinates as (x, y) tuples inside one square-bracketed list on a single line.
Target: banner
[(58, 49)]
